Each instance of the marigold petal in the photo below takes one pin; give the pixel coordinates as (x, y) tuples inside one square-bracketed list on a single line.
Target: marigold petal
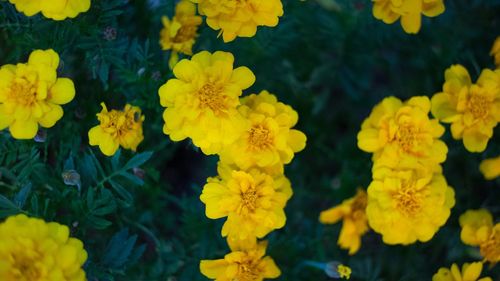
[(23, 129)]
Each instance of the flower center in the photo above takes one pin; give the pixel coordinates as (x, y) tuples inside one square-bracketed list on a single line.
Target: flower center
[(23, 91), (408, 200), (358, 206), (260, 137), (406, 136), (490, 249), (211, 97), (248, 271), (25, 268), (185, 33), (249, 199), (478, 105)]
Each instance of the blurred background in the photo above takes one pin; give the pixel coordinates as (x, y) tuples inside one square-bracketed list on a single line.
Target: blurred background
[(329, 59)]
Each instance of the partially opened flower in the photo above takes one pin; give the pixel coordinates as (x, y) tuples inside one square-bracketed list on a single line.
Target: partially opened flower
[(352, 212), (117, 128), (52, 9), (269, 140), (34, 250), (470, 272), (495, 51), (490, 168), (252, 201), (180, 32), (478, 230), (31, 94), (246, 262), (201, 102), (240, 18), (408, 11)]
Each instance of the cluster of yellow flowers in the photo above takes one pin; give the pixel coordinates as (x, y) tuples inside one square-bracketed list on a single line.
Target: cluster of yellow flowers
[(472, 109), (233, 18), (34, 250), (31, 95), (408, 11), (52, 9), (254, 138), (409, 198)]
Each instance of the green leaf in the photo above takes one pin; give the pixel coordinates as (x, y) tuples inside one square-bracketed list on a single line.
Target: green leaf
[(119, 249), (121, 191), (138, 160)]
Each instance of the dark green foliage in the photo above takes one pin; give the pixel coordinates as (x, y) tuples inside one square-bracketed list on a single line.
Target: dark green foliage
[(139, 214)]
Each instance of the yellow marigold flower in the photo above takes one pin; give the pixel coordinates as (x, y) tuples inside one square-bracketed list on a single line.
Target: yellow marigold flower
[(32, 95), (473, 110), (344, 271), (117, 128), (252, 201), (353, 213), (240, 18), (409, 11), (201, 103), (495, 51), (470, 272), (32, 249), (245, 262), (268, 140), (408, 205), (402, 134), (179, 34), (52, 9), (490, 168), (478, 230)]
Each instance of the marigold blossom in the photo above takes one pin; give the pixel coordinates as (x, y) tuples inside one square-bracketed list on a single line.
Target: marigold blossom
[(490, 168), (408, 205), (478, 230), (179, 33), (117, 128), (201, 102), (352, 212), (240, 18), (252, 201), (31, 95), (409, 11), (495, 51), (470, 272), (401, 134), (32, 249), (472, 109), (52, 9), (268, 140), (246, 262)]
